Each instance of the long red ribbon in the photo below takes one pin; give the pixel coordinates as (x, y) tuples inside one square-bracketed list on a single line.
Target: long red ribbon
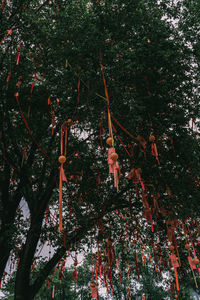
[(124, 129), (9, 33), (34, 82), (121, 141)]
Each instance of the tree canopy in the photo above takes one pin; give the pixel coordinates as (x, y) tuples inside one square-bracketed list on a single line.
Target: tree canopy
[(80, 80)]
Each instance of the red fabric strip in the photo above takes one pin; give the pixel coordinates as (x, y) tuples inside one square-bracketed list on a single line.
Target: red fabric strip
[(121, 141), (78, 88), (9, 33), (122, 127), (34, 82)]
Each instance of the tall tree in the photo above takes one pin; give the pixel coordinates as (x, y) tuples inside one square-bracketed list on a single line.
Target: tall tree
[(65, 68)]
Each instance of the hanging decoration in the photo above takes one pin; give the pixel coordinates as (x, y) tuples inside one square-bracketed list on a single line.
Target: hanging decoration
[(9, 33), (62, 160), (112, 155), (18, 53)]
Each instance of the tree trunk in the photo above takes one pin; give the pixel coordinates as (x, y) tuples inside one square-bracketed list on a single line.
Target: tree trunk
[(8, 217), (9, 206), (23, 290), (25, 295), (5, 252)]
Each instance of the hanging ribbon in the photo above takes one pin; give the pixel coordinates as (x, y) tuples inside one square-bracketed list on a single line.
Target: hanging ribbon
[(115, 164), (107, 97), (176, 277), (94, 290), (175, 265), (124, 129), (140, 179), (121, 141), (60, 201), (191, 263), (62, 160), (78, 89), (53, 291), (66, 141), (8, 77), (9, 33), (18, 54), (155, 152), (34, 82)]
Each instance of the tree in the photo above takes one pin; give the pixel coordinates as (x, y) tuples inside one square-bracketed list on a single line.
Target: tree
[(57, 63)]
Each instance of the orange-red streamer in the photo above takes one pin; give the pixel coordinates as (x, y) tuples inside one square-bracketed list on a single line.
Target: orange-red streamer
[(121, 141), (124, 129), (34, 82), (60, 201), (78, 89), (155, 152), (176, 277), (9, 33)]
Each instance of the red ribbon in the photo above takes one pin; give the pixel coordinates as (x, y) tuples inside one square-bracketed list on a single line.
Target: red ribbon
[(9, 33), (34, 82)]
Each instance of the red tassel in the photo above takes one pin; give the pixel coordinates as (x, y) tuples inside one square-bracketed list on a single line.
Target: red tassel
[(53, 292), (121, 141), (155, 152), (8, 78), (34, 82), (60, 202), (176, 277), (18, 55), (78, 89)]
